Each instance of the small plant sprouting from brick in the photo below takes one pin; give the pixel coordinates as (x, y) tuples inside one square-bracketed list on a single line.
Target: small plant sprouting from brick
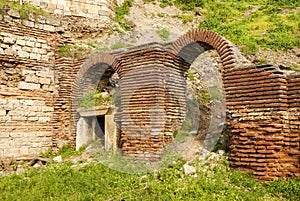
[(94, 98), (164, 34)]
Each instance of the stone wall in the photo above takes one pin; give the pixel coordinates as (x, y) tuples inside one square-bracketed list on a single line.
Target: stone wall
[(28, 82), (26, 106), (95, 9)]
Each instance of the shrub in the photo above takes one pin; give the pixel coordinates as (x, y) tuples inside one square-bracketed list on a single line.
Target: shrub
[(94, 98)]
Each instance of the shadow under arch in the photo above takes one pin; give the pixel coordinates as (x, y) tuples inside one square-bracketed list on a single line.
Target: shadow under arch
[(186, 49), (189, 47), (94, 74)]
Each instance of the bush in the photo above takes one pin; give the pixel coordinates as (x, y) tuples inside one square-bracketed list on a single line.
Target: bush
[(94, 98)]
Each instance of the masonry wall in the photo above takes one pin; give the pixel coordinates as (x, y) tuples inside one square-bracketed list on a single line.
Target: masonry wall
[(262, 139), (28, 83), (153, 103), (95, 9)]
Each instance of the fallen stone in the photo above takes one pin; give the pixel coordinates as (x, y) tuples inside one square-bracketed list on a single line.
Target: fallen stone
[(58, 159), (14, 14), (189, 169), (36, 165)]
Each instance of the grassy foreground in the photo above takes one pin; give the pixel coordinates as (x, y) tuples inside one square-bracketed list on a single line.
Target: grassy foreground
[(97, 182)]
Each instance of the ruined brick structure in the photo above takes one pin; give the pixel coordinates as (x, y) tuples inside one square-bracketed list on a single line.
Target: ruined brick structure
[(39, 90)]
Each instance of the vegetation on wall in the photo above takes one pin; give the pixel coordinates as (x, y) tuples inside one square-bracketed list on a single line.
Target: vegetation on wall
[(121, 11), (23, 9), (94, 98)]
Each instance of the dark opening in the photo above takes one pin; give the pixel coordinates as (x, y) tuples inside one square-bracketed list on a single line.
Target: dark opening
[(100, 129)]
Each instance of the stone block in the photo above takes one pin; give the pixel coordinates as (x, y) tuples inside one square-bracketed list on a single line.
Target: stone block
[(23, 54), (29, 86), (9, 40), (1, 51), (33, 118), (44, 80), (26, 72), (21, 42), (35, 56), (28, 23), (4, 46), (13, 13), (10, 52), (59, 11), (24, 150), (30, 43), (18, 118), (49, 28), (16, 48), (44, 119), (32, 78), (41, 41), (41, 19), (2, 112)]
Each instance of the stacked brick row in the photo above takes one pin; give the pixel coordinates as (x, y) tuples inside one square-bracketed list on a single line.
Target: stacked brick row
[(64, 124), (258, 120), (293, 139), (152, 90)]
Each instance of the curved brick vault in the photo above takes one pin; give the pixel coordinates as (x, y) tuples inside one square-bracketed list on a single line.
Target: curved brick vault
[(262, 102)]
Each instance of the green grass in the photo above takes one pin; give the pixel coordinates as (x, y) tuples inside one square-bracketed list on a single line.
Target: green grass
[(164, 34), (120, 13), (65, 151), (249, 24), (264, 26), (97, 182)]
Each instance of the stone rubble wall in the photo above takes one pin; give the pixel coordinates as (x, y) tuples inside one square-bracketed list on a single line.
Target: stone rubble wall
[(27, 92), (32, 38), (94, 9), (28, 82)]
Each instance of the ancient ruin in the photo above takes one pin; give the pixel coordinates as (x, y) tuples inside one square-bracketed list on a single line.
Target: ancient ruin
[(39, 93)]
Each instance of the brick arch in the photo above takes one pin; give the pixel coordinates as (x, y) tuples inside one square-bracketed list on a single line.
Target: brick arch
[(88, 75), (211, 38)]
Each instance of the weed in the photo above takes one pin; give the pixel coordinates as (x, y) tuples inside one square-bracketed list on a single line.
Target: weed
[(65, 151), (65, 50), (94, 98), (23, 9), (121, 11), (265, 27), (188, 4), (164, 34), (119, 45), (165, 3), (99, 182), (185, 18), (160, 15)]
